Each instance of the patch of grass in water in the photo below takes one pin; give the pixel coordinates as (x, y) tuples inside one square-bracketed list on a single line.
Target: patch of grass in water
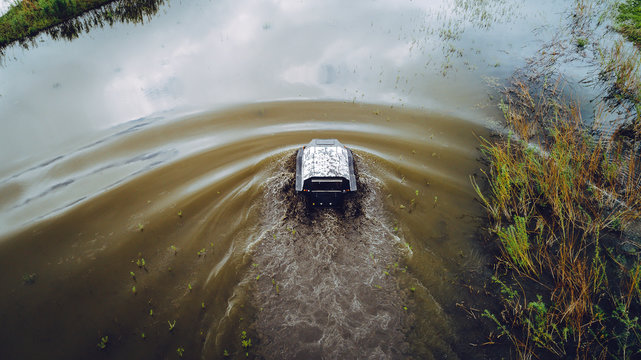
[(104, 341), (557, 204), (620, 70)]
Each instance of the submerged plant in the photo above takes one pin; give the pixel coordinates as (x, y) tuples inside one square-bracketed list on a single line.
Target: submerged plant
[(627, 333), (29, 279), (104, 341), (172, 325), (245, 342)]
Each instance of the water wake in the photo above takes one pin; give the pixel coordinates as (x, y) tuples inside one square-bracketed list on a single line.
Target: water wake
[(323, 290)]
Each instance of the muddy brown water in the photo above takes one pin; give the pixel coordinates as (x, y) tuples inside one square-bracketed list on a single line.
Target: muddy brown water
[(216, 225), (179, 231)]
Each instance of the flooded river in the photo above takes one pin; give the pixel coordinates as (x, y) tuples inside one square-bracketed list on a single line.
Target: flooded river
[(146, 187)]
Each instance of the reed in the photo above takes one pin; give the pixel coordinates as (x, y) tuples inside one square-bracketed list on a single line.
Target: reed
[(620, 69), (557, 198)]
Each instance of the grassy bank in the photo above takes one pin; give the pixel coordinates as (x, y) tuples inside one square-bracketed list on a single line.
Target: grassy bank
[(559, 211), (62, 18), (28, 18), (628, 20)]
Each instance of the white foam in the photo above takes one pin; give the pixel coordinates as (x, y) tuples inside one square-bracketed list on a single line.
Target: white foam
[(330, 295)]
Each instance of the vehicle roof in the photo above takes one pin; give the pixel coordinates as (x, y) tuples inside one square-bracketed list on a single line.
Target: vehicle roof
[(325, 158)]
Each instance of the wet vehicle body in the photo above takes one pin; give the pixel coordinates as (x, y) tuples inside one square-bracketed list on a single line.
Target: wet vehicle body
[(325, 172)]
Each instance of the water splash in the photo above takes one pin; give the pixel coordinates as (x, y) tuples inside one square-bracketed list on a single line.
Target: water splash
[(323, 291)]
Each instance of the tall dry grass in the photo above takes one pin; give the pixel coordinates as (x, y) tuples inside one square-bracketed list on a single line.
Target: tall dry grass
[(558, 199)]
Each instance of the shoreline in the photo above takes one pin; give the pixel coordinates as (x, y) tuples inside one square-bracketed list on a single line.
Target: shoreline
[(30, 18), (562, 199), (67, 19)]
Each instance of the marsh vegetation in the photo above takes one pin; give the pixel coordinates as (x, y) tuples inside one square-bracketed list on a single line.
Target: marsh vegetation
[(628, 20), (564, 202), (560, 202), (66, 19)]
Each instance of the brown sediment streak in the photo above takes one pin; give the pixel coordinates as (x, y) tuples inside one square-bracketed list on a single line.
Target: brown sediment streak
[(323, 291)]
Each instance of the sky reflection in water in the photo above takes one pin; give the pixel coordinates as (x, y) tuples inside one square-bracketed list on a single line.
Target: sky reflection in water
[(205, 55)]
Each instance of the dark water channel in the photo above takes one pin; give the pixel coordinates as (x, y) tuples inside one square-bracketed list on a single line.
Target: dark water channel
[(147, 172)]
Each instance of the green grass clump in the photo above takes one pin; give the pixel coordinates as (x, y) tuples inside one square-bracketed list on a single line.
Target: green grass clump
[(628, 20), (104, 341), (516, 243), (557, 204)]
